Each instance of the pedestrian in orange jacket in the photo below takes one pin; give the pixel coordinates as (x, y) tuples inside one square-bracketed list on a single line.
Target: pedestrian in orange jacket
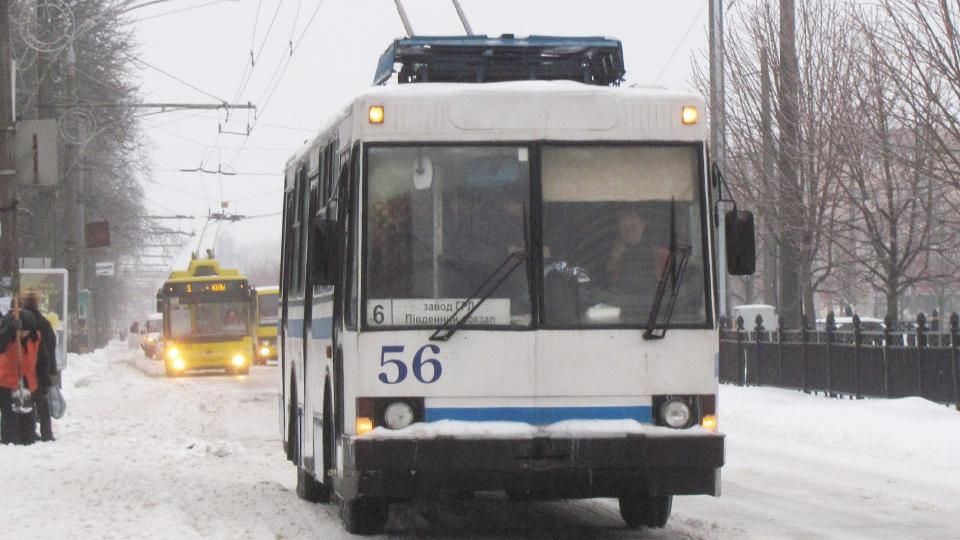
[(17, 427)]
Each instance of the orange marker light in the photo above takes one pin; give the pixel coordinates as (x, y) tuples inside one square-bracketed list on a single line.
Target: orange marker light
[(709, 422), (376, 114), (364, 425)]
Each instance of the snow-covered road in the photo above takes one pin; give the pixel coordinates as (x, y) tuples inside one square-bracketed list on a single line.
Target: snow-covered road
[(143, 456)]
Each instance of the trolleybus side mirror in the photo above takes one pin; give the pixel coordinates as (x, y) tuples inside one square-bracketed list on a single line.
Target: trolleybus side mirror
[(159, 306), (741, 243)]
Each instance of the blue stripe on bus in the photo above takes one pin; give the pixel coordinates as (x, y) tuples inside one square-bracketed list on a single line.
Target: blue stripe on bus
[(539, 415), (319, 329)]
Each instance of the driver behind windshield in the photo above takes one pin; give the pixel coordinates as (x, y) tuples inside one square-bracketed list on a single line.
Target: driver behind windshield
[(628, 276)]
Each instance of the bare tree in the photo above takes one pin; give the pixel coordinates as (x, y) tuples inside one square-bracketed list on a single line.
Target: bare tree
[(891, 195), (797, 218)]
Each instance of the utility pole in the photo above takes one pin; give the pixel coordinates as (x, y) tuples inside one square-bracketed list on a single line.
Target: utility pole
[(718, 138), (767, 215), (790, 195), (9, 263), (72, 226)]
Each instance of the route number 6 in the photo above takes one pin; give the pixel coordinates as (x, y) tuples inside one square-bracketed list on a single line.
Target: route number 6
[(399, 368)]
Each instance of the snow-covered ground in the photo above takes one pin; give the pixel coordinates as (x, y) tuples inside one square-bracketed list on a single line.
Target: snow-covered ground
[(142, 456)]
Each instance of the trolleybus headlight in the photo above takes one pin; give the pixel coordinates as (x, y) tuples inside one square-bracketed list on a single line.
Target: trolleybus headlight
[(173, 353), (689, 116), (264, 350), (179, 364), (238, 360), (675, 413), (398, 415)]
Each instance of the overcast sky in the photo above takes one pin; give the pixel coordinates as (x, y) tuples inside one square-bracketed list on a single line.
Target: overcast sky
[(208, 45)]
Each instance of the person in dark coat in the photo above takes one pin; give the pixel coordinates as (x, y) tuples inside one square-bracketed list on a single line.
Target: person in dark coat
[(47, 373), (17, 427)]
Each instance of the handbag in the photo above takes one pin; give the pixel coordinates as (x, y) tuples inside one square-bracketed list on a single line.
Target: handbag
[(56, 403)]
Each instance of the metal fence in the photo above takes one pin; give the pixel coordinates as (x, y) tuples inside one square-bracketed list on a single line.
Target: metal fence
[(888, 364)]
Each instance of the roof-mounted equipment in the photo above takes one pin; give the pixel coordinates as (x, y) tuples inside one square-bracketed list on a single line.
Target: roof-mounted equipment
[(479, 58)]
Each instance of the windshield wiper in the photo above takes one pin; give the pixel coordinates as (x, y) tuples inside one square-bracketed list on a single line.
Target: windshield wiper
[(673, 269), (450, 326), (453, 323)]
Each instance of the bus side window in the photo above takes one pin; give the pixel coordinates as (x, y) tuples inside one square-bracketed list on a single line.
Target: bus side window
[(351, 228)]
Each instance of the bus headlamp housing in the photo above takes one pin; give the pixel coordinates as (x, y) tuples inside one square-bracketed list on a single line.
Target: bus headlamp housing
[(398, 415), (684, 411), (391, 412), (238, 360), (676, 413), (173, 353)]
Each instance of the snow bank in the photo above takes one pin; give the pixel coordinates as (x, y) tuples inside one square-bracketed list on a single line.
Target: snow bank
[(907, 430)]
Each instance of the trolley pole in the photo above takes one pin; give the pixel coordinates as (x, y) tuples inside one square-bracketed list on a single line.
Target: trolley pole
[(9, 264), (403, 17)]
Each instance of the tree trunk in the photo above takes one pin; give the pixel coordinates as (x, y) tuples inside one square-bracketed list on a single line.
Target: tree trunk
[(893, 301)]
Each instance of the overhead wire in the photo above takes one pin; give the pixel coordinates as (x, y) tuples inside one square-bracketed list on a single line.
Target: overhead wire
[(174, 77), (247, 76), (264, 103), (683, 39), (181, 10)]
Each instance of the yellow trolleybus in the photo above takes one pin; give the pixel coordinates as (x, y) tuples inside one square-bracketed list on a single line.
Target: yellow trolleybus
[(207, 319), (267, 313)]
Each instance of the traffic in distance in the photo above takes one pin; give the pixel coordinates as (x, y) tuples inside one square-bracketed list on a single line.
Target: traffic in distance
[(209, 318)]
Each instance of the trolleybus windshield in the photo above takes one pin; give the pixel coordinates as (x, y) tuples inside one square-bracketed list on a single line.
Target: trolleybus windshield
[(612, 213), (208, 319), (268, 306), (440, 219)]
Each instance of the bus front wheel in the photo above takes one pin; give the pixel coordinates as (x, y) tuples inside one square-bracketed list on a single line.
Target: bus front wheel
[(364, 515), (645, 510)]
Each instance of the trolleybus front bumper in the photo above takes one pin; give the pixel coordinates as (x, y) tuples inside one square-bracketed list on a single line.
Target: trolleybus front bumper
[(547, 467)]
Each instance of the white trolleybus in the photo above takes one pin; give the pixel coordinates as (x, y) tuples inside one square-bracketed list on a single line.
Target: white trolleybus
[(493, 283)]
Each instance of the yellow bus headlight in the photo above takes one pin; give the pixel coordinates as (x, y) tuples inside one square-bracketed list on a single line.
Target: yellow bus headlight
[(265, 351), (179, 364), (239, 360), (173, 353)]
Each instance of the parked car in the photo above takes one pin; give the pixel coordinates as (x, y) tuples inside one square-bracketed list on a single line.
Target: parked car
[(134, 336), (749, 313), (151, 332), (845, 324)]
